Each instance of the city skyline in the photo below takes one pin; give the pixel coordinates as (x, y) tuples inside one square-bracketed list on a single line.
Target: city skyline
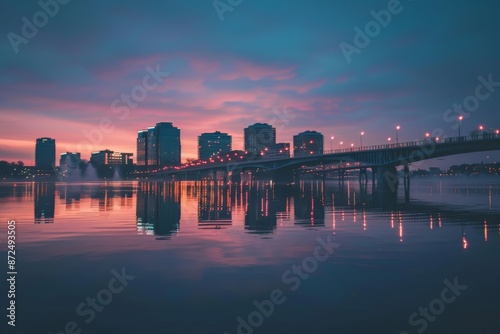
[(292, 78)]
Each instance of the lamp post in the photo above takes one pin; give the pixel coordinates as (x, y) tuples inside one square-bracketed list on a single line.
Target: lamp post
[(481, 128), (361, 137), (397, 134), (460, 118), (331, 143), (340, 144)]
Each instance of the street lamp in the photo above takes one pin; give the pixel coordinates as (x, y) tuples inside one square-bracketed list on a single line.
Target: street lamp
[(389, 139), (361, 138), (331, 142), (397, 134), (460, 118), (340, 144), (481, 128)]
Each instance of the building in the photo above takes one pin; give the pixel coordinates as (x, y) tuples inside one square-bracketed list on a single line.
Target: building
[(70, 160), (307, 142), (152, 147), (45, 153), (169, 144), (212, 144), (278, 150), (142, 148), (108, 157), (159, 145), (258, 137)]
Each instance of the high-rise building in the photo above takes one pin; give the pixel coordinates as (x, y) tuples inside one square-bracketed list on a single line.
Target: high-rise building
[(142, 148), (159, 145), (307, 143), (210, 144), (70, 160), (45, 153), (169, 144), (152, 147), (108, 157), (258, 137)]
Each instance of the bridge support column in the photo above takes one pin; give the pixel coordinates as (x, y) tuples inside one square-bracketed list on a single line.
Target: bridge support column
[(406, 180), (341, 176), (235, 176), (387, 184), (363, 177)]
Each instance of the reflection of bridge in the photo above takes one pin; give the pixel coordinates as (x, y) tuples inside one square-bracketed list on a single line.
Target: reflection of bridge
[(382, 159)]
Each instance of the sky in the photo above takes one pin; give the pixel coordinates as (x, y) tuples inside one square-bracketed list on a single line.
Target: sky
[(93, 73)]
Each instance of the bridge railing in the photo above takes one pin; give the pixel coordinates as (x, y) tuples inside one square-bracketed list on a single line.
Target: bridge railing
[(480, 137)]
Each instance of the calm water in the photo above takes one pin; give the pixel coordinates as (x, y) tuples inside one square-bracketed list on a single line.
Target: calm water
[(201, 254)]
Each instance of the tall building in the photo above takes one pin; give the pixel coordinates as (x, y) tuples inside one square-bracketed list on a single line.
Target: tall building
[(70, 160), (307, 143), (159, 145), (45, 153), (142, 148), (169, 144), (258, 137), (210, 144), (152, 147), (108, 157)]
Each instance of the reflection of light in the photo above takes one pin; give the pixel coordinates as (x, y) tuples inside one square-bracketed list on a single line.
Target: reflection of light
[(392, 219), (439, 220), (465, 244), (431, 223), (485, 231), (364, 220), (401, 232)]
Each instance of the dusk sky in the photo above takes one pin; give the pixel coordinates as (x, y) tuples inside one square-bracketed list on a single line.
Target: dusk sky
[(278, 62)]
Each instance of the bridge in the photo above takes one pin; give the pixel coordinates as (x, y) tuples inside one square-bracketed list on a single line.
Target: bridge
[(381, 159)]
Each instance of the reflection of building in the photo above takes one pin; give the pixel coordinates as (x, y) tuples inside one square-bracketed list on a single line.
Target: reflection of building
[(107, 157), (159, 145), (309, 204), (214, 205), (307, 142), (104, 197), (45, 153), (44, 198), (212, 144), (158, 208), (260, 215), (258, 137)]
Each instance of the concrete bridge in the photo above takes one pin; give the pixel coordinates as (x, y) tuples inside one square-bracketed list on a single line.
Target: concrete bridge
[(381, 159)]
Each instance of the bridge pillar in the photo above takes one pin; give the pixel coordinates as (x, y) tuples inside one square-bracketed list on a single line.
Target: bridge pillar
[(363, 177), (341, 176), (406, 181), (235, 176), (387, 184)]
